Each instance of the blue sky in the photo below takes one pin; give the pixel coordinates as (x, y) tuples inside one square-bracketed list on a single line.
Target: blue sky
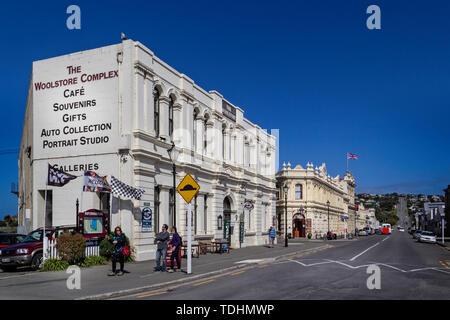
[(309, 68)]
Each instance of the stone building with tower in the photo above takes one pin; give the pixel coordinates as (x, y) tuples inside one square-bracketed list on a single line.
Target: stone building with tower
[(118, 110)]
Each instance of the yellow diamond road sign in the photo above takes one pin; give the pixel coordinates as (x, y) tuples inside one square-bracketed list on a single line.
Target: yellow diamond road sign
[(188, 188)]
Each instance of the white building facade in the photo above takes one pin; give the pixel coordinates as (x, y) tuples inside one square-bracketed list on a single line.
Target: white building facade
[(117, 110)]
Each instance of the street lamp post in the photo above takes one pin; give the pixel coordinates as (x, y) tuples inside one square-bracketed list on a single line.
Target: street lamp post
[(442, 222), (328, 205), (173, 153), (285, 189)]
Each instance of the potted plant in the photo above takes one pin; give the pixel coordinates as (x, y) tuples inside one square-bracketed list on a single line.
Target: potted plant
[(309, 235)]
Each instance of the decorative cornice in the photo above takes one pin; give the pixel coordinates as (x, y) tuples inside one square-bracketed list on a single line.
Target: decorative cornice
[(143, 69)]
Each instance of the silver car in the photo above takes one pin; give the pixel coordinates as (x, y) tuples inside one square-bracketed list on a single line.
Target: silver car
[(362, 233), (426, 236)]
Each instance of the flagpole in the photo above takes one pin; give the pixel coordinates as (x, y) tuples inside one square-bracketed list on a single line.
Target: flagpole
[(44, 240), (347, 163), (110, 210)]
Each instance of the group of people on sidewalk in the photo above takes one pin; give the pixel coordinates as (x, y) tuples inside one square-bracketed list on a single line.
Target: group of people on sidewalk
[(162, 241)]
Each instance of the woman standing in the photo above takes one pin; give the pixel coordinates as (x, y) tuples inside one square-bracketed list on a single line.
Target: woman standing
[(176, 242), (119, 242)]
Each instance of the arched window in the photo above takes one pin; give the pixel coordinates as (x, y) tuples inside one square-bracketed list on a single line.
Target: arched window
[(205, 134), (224, 131), (171, 116), (298, 192), (156, 110), (194, 130)]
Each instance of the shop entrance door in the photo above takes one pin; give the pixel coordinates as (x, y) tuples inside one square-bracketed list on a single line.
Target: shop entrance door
[(299, 229)]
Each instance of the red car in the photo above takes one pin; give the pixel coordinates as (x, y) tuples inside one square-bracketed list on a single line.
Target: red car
[(29, 251)]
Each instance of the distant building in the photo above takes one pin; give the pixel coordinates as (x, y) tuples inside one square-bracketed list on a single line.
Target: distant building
[(366, 218), (432, 214), (312, 194)]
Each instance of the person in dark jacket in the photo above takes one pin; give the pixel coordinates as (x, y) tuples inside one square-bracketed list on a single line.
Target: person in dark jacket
[(162, 239), (119, 242), (176, 242)]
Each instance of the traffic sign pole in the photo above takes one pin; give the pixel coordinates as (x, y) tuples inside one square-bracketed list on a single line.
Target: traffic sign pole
[(188, 188), (189, 242)]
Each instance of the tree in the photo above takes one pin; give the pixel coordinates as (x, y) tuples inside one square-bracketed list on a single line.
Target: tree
[(7, 220)]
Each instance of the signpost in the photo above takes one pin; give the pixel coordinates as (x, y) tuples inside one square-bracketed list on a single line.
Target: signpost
[(187, 189), (249, 206)]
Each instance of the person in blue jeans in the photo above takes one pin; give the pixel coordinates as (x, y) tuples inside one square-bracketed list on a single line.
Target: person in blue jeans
[(176, 242), (162, 239), (272, 235)]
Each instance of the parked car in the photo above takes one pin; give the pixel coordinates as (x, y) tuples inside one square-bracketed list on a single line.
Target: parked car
[(378, 230), (416, 234), (7, 239), (362, 232), (401, 229), (427, 236), (29, 251)]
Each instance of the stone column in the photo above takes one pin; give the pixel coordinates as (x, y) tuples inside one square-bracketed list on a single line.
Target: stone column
[(178, 127), (199, 131), (210, 147), (200, 207), (233, 148), (149, 125), (139, 112), (226, 145), (187, 113)]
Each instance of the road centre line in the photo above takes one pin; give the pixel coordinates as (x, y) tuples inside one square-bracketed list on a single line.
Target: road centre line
[(152, 294), (237, 273), (204, 282), (353, 259), (385, 239)]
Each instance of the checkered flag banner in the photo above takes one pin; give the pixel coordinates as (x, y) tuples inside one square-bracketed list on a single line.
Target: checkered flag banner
[(121, 189)]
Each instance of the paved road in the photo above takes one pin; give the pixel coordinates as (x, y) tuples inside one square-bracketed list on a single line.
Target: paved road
[(402, 213), (409, 270)]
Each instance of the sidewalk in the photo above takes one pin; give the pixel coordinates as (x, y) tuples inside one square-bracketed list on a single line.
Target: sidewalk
[(139, 276), (445, 245)]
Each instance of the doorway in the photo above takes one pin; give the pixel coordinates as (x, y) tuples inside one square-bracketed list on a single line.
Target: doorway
[(299, 227)]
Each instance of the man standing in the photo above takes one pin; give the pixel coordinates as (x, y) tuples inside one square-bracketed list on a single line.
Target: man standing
[(272, 235), (162, 239)]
